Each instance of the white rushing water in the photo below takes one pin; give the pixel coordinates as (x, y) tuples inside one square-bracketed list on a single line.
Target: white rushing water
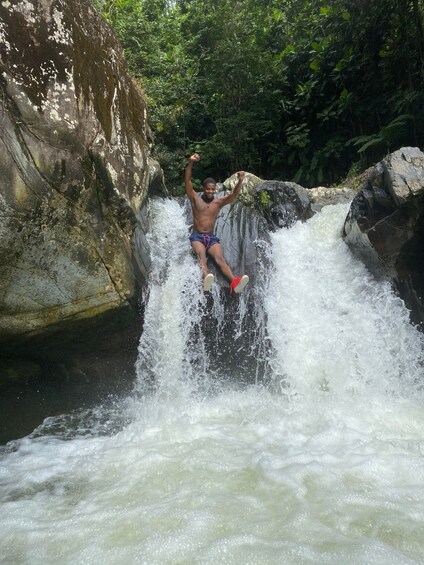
[(321, 464)]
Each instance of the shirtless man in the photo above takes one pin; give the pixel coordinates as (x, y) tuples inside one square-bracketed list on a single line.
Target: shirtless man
[(205, 211)]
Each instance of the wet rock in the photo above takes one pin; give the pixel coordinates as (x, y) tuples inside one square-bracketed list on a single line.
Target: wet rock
[(321, 196), (248, 191), (242, 231), (75, 168), (385, 225), (282, 203)]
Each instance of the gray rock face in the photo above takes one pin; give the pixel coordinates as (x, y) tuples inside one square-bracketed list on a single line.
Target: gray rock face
[(248, 191), (74, 167), (321, 196), (385, 225), (283, 203), (241, 230)]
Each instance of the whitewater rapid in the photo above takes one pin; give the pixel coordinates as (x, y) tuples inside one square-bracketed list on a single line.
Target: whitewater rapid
[(321, 462)]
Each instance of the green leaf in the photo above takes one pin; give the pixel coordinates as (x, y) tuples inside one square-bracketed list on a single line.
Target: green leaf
[(396, 127), (298, 175), (289, 49), (291, 158), (377, 140), (277, 15)]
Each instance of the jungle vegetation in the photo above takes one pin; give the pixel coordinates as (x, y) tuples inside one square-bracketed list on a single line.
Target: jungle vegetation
[(309, 91)]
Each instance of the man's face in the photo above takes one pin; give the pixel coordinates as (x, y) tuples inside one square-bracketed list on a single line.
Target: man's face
[(209, 191)]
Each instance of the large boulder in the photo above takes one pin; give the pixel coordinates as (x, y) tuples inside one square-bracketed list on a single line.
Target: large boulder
[(283, 203), (321, 196), (74, 172), (385, 225), (248, 191)]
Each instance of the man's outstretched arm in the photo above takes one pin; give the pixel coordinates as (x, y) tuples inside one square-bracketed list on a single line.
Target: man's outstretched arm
[(191, 193), (235, 193)]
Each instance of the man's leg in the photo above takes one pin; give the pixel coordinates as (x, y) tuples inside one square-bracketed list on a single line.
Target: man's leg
[(218, 256), (200, 251)]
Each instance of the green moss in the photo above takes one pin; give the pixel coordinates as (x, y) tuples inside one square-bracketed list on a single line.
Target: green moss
[(264, 200), (356, 177)]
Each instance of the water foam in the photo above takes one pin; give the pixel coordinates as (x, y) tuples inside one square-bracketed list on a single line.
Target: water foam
[(324, 466), (334, 328), (171, 351)]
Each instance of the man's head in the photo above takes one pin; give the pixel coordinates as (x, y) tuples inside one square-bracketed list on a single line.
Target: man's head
[(209, 189)]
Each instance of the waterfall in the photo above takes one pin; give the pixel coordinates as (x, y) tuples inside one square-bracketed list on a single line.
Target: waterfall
[(174, 304), (334, 328), (329, 326), (192, 339), (283, 425)]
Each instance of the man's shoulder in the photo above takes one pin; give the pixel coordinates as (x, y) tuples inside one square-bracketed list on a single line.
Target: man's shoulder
[(221, 200), (195, 197)]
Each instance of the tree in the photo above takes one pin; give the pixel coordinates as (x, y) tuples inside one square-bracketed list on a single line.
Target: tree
[(296, 90)]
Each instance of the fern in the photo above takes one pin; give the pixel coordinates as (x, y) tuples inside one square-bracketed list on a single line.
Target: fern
[(387, 136)]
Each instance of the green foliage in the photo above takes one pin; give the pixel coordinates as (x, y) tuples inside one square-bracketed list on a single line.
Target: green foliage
[(296, 90), (386, 138), (264, 200)]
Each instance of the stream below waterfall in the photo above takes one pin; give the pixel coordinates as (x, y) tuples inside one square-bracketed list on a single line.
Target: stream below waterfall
[(293, 439)]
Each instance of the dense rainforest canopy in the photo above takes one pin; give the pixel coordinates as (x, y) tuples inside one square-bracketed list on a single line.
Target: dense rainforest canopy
[(298, 90)]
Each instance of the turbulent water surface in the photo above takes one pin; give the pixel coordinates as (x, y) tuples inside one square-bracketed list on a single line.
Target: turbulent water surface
[(316, 458)]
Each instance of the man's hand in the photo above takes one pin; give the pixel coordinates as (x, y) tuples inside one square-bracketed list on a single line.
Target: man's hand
[(187, 175), (241, 175)]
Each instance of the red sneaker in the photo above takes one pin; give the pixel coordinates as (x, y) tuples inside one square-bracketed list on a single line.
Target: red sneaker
[(238, 283)]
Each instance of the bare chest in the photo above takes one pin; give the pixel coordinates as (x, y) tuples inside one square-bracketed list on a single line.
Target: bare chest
[(201, 207)]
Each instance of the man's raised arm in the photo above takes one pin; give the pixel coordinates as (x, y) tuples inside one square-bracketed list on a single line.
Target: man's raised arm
[(235, 193), (191, 193)]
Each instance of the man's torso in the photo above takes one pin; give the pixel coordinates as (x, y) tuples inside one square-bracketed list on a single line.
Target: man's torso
[(204, 215)]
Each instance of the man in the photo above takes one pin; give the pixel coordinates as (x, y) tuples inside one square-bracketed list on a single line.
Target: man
[(205, 211)]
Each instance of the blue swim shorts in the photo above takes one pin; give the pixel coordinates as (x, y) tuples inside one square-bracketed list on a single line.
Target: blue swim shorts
[(208, 239)]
